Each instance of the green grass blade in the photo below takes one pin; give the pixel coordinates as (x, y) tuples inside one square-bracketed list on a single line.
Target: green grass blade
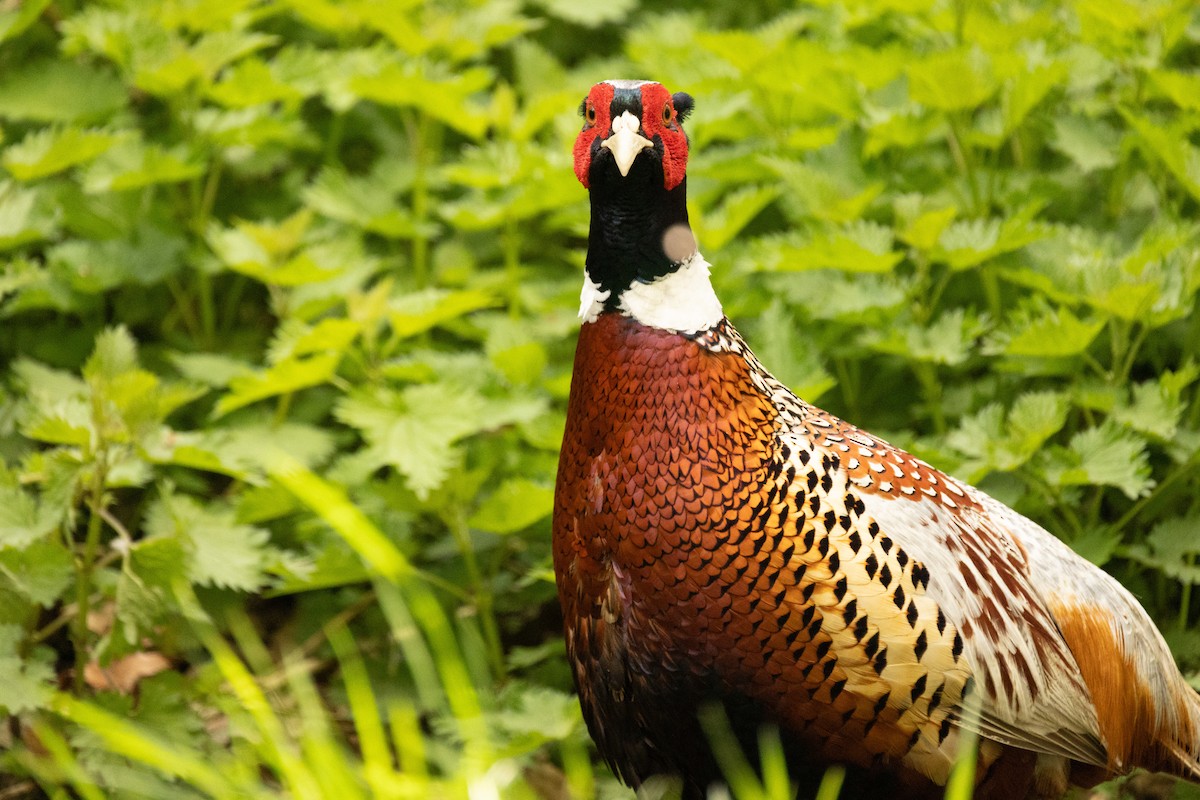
[(738, 773), (831, 783), (401, 592), (277, 746), (134, 742), (364, 708), (64, 759), (961, 785)]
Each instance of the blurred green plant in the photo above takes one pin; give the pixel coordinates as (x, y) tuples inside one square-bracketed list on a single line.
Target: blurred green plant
[(287, 294)]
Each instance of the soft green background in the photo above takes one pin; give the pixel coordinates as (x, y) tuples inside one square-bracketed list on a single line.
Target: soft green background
[(287, 308)]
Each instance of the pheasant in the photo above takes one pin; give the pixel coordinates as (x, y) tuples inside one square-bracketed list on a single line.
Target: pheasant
[(717, 540)]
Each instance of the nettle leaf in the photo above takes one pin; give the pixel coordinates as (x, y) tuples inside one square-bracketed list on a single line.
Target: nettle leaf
[(1034, 418), (211, 369), (899, 128), (65, 421), (200, 451), (241, 450), (256, 443), (1107, 455), (968, 243), (1172, 548), (415, 430), (165, 63), (285, 377), (1150, 284), (923, 231), (26, 216), (127, 402), (530, 716), (246, 132), (418, 312), (1040, 331), (948, 340), (47, 151), (294, 338), (860, 247), (1170, 147), (719, 226), (516, 504), (22, 520), (273, 252), (115, 354), (1091, 143), (819, 193), (93, 267), (953, 80), (60, 91), (1156, 281), (252, 82), (220, 550), (996, 442), (444, 98), (511, 181), (1027, 89), (45, 384), (830, 295), (369, 201), (1154, 409), (19, 274), (513, 349), (214, 50), (473, 30), (39, 572), (133, 165), (26, 677)]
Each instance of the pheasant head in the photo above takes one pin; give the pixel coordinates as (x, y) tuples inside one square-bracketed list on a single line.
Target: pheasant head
[(642, 260)]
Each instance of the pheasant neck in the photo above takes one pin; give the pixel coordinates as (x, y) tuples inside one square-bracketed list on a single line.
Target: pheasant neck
[(639, 230), (642, 259)]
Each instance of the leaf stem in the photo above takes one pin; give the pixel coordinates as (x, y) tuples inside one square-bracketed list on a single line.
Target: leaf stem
[(931, 392), (1131, 352), (962, 158), (84, 566), (512, 264), (183, 305), (482, 592), (418, 128)]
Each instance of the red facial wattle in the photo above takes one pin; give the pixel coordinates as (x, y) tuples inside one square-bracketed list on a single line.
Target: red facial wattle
[(597, 121), (658, 123)]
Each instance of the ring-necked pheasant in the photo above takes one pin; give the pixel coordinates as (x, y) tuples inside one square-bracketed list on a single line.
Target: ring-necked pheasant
[(718, 539)]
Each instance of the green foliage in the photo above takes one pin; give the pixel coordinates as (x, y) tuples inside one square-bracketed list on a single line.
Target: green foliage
[(244, 245)]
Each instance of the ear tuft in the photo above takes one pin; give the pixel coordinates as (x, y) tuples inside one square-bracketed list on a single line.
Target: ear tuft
[(684, 104)]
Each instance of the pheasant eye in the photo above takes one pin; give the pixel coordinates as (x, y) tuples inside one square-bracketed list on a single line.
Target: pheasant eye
[(666, 117), (590, 114)]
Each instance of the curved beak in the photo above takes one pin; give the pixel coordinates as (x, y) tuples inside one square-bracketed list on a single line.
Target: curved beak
[(625, 141)]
